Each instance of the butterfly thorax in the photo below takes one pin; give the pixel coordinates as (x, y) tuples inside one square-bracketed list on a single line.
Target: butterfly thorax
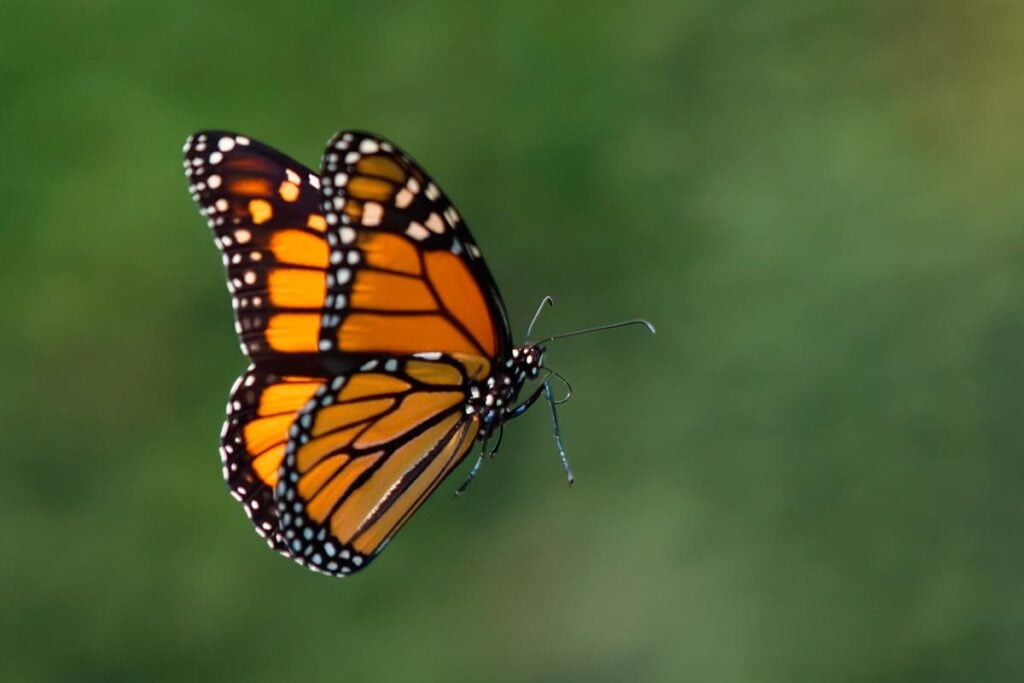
[(493, 398)]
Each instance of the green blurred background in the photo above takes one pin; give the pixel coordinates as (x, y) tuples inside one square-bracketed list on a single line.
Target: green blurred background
[(812, 473)]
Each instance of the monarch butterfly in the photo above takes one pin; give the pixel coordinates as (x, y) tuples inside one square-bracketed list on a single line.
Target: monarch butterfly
[(379, 344)]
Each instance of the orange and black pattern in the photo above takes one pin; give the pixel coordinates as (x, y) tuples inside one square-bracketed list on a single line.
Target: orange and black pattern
[(261, 409), (406, 275), (379, 342), (264, 209), (365, 453)]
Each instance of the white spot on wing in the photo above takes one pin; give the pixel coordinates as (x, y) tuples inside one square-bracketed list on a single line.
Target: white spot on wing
[(403, 198), (417, 231), (435, 223), (372, 212)]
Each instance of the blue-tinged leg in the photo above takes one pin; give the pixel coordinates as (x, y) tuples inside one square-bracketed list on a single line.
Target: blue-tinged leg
[(472, 473), (558, 433), (525, 405)]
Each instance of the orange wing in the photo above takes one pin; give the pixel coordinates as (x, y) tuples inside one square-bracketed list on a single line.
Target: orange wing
[(261, 409), (366, 452), (264, 209), (406, 275), (366, 308)]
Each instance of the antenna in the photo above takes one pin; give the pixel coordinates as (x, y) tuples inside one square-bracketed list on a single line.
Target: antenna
[(546, 300), (599, 328)]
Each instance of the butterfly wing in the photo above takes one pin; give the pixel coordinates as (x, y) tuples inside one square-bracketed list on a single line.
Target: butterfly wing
[(366, 452), (367, 310), (261, 410), (407, 276), (264, 209)]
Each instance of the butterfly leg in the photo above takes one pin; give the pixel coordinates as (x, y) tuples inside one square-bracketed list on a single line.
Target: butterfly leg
[(525, 405), (558, 432), (497, 444), (472, 473), (476, 466)]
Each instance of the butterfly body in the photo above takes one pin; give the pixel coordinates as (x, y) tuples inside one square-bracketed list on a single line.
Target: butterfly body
[(493, 400)]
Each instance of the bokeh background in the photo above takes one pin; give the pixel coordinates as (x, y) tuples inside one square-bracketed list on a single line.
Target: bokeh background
[(813, 472)]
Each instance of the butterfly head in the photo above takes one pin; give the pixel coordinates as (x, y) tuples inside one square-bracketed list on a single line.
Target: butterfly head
[(526, 361)]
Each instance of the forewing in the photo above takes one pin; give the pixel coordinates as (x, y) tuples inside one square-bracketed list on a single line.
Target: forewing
[(365, 453), (264, 209), (406, 274)]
